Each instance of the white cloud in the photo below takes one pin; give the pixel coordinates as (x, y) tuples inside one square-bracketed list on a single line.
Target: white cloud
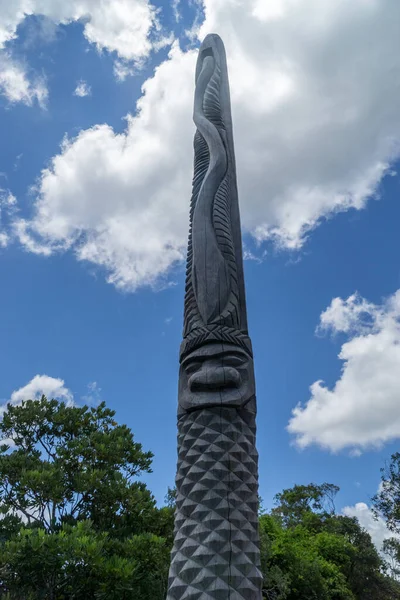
[(8, 207), (175, 9), (375, 527), (344, 316), (16, 86), (82, 89), (130, 28), (51, 387), (121, 26), (315, 107), (103, 192), (7, 200), (123, 69), (93, 396), (362, 409)]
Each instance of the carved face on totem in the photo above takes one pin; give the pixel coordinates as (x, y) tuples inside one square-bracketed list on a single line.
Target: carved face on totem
[(216, 374)]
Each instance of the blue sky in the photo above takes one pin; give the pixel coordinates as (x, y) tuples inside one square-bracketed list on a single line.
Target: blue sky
[(93, 229)]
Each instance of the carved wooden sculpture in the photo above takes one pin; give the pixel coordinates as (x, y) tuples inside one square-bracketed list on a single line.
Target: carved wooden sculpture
[(216, 551)]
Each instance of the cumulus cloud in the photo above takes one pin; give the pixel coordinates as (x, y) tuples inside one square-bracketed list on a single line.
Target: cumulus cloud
[(129, 28), (315, 106), (82, 89), (121, 26), (117, 198), (362, 409), (51, 387), (16, 86), (313, 138), (375, 527)]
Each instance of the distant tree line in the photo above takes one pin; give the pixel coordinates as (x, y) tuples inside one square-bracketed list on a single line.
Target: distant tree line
[(76, 523)]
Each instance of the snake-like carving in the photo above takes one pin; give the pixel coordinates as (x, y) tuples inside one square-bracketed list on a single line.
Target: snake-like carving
[(211, 277)]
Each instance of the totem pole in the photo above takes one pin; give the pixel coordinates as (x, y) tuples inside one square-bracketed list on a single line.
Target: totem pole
[(216, 546)]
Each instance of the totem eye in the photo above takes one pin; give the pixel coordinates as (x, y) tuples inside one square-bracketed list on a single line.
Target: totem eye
[(234, 361), (192, 367)]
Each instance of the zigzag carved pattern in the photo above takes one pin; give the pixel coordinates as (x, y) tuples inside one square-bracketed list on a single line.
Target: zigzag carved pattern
[(215, 553), (215, 333)]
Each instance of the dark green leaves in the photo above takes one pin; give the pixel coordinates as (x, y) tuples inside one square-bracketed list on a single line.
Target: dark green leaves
[(76, 522)]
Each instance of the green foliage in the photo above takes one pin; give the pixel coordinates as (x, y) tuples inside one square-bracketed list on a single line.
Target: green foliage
[(76, 524), (313, 565), (391, 549), (78, 562), (305, 501), (386, 503), (72, 463), (170, 497), (309, 552)]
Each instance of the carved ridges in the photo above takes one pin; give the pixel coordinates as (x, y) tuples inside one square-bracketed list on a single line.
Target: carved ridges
[(201, 162), (215, 333), (229, 315), (202, 159), (211, 102), (215, 553), (222, 227)]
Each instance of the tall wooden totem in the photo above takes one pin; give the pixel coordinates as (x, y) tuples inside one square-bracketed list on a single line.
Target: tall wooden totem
[(216, 547)]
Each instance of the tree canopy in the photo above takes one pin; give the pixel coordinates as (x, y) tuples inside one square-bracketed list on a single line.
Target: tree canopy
[(78, 523), (386, 504), (308, 551)]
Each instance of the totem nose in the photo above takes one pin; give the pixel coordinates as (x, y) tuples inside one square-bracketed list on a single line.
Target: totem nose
[(212, 378)]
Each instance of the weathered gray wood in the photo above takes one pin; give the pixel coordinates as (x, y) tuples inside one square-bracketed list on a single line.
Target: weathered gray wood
[(216, 546)]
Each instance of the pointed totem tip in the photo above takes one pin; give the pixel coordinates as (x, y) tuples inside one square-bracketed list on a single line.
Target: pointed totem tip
[(212, 38)]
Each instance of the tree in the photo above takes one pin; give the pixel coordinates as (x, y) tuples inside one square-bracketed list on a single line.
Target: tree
[(77, 523), (300, 565), (391, 550), (295, 504), (366, 573), (79, 562), (310, 552), (386, 503)]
